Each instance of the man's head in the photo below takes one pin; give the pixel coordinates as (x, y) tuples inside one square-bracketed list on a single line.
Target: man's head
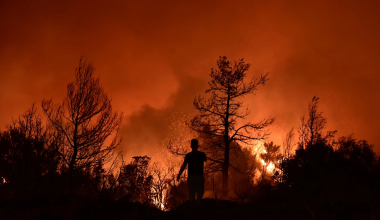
[(194, 144)]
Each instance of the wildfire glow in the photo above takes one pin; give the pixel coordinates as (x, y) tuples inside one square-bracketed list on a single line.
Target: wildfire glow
[(257, 150), (270, 167), (159, 204)]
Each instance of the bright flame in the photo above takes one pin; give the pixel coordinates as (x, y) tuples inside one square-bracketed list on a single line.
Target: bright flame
[(162, 204), (257, 150), (159, 204), (270, 167), (163, 171), (160, 176)]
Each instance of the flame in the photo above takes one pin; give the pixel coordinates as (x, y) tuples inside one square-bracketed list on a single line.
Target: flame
[(270, 167), (159, 197), (163, 171), (257, 150), (160, 204)]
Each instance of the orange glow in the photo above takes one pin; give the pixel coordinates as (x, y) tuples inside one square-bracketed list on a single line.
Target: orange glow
[(153, 58), (257, 149), (158, 203), (270, 168)]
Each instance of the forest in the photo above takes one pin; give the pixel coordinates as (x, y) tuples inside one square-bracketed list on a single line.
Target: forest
[(60, 159)]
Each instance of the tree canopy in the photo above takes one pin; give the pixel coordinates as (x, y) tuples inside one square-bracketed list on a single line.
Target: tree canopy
[(220, 112)]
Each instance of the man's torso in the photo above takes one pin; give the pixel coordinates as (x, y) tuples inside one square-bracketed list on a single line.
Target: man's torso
[(195, 160)]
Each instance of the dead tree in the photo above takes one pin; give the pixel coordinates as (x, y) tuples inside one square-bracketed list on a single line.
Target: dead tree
[(220, 112), (311, 129), (85, 120), (288, 144)]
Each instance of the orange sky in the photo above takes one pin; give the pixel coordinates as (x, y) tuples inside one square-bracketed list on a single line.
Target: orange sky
[(153, 57)]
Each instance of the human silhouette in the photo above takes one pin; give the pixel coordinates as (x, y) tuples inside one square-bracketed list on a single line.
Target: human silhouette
[(195, 180)]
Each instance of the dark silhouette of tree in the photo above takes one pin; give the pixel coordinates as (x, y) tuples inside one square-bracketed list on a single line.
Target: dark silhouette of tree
[(136, 181), (163, 179), (359, 153), (86, 122), (220, 112), (344, 180), (27, 164), (176, 194), (312, 149), (106, 182), (338, 177), (288, 144), (311, 129)]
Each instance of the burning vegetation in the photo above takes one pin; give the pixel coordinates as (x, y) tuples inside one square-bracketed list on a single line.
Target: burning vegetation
[(72, 153)]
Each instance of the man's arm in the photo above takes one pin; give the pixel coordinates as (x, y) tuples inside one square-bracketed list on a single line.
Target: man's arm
[(182, 169)]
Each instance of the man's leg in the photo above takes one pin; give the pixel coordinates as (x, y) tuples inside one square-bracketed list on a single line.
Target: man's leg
[(200, 189), (191, 187)]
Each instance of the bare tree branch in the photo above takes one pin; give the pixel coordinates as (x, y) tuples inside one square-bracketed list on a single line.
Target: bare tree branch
[(85, 120)]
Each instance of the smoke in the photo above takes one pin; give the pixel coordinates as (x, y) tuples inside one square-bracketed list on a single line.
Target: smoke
[(154, 57), (147, 128)]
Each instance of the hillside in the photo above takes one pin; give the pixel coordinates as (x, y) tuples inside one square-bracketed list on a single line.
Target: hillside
[(73, 207)]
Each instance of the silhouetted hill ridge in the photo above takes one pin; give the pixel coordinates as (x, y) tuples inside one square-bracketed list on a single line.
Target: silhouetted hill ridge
[(76, 207)]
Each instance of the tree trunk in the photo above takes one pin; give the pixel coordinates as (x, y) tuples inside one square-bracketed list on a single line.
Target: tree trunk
[(225, 167), (73, 159), (71, 170), (226, 150), (225, 180)]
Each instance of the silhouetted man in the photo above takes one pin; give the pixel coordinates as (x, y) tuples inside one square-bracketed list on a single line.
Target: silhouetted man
[(195, 179)]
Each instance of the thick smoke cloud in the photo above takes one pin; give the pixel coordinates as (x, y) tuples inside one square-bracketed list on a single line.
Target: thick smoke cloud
[(148, 128), (153, 57)]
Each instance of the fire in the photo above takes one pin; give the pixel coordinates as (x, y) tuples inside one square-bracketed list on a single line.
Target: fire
[(258, 149), (160, 204), (163, 171), (160, 174), (270, 167)]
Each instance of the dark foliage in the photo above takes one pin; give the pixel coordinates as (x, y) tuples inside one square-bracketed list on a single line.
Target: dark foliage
[(177, 194), (80, 135), (338, 181), (27, 166), (331, 177), (220, 112), (87, 125), (136, 181), (323, 178)]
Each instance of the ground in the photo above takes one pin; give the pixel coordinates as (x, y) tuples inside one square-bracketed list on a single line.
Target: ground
[(73, 207)]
